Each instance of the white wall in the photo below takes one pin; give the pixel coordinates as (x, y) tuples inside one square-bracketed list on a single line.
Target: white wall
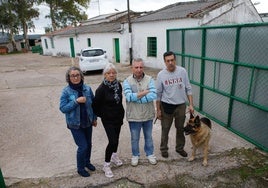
[(102, 40), (49, 50), (105, 41), (155, 29), (237, 12)]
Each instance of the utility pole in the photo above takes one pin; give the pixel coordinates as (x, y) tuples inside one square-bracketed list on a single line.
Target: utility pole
[(99, 6), (98, 2), (130, 33)]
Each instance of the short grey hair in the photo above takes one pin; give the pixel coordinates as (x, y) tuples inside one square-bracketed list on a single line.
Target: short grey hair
[(137, 60), (108, 67), (67, 75)]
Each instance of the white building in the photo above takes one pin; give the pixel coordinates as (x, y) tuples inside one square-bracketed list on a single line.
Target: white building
[(106, 31), (264, 17), (186, 15), (148, 38)]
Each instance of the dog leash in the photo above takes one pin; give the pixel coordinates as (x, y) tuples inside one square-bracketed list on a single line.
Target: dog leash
[(155, 120), (187, 112)]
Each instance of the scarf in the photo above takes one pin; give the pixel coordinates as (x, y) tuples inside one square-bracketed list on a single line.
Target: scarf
[(115, 86), (77, 87)]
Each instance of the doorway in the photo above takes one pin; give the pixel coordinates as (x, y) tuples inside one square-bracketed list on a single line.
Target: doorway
[(117, 50)]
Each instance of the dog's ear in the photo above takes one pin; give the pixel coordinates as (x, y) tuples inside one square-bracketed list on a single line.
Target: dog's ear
[(191, 115), (197, 120)]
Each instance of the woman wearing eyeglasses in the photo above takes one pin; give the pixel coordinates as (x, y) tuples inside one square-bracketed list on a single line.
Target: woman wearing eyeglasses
[(75, 102)]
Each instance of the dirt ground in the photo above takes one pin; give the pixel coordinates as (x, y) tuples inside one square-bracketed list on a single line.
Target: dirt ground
[(37, 150)]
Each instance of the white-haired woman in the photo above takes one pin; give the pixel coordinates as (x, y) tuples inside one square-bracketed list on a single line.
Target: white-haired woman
[(107, 105)]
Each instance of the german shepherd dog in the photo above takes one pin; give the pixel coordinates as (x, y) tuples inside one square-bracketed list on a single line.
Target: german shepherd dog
[(199, 130)]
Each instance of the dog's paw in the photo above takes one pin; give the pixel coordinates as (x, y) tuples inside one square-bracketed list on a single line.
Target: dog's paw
[(205, 163), (191, 159)]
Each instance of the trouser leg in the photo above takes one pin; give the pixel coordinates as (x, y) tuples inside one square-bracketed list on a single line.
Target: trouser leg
[(179, 124), (166, 123)]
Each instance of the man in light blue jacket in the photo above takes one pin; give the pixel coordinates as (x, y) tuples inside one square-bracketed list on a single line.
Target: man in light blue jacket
[(140, 93)]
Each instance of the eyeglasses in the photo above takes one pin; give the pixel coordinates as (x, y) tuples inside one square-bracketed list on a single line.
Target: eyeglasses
[(75, 75)]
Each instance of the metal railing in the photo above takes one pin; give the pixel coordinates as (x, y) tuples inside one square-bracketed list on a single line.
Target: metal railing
[(228, 70)]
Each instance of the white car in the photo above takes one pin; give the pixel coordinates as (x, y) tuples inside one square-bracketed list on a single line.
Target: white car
[(91, 59)]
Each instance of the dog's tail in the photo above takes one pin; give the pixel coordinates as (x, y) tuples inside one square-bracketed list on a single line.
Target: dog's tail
[(206, 121)]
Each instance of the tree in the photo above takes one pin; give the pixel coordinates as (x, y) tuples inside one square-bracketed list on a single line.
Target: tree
[(9, 21), (25, 12), (66, 12), (17, 15)]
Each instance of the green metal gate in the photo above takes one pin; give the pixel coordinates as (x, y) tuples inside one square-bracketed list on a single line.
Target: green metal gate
[(228, 69)]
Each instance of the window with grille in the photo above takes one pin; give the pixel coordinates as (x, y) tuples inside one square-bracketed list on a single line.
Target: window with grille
[(151, 46)]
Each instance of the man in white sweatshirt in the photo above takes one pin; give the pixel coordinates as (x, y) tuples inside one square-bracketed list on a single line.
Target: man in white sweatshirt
[(173, 90)]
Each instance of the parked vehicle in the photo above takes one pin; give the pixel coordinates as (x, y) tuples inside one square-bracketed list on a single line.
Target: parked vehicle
[(92, 59)]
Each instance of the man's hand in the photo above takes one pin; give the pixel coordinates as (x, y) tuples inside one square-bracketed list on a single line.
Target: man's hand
[(191, 109), (159, 114), (94, 123), (143, 93)]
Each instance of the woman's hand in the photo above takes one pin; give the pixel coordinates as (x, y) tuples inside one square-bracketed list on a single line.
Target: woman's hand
[(81, 99)]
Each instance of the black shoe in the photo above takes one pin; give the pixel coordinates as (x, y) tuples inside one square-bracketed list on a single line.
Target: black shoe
[(83, 173), (182, 153), (165, 154), (91, 167)]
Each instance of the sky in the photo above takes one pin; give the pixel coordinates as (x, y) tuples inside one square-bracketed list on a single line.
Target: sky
[(97, 7)]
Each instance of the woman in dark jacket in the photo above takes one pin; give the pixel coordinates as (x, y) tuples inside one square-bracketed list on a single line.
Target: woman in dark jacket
[(107, 105)]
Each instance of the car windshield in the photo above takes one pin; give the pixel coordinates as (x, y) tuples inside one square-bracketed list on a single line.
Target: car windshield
[(92, 53)]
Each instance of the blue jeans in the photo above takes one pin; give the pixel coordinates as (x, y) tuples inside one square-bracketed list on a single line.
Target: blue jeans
[(83, 140), (135, 129)]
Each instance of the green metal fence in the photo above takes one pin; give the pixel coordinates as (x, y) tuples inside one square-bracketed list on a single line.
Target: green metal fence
[(2, 181), (228, 70)]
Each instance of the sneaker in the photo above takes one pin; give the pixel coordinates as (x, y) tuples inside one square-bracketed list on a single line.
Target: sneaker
[(83, 173), (134, 160), (182, 153), (115, 159), (152, 159), (107, 170)]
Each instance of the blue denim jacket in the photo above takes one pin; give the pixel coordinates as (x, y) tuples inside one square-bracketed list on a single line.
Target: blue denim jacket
[(70, 107)]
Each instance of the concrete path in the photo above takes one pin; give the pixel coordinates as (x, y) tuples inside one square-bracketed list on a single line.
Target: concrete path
[(35, 143)]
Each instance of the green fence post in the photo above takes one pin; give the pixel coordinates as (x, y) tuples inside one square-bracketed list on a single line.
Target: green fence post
[(2, 182)]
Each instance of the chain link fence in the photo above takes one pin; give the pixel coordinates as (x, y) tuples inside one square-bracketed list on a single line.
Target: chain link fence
[(228, 70)]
